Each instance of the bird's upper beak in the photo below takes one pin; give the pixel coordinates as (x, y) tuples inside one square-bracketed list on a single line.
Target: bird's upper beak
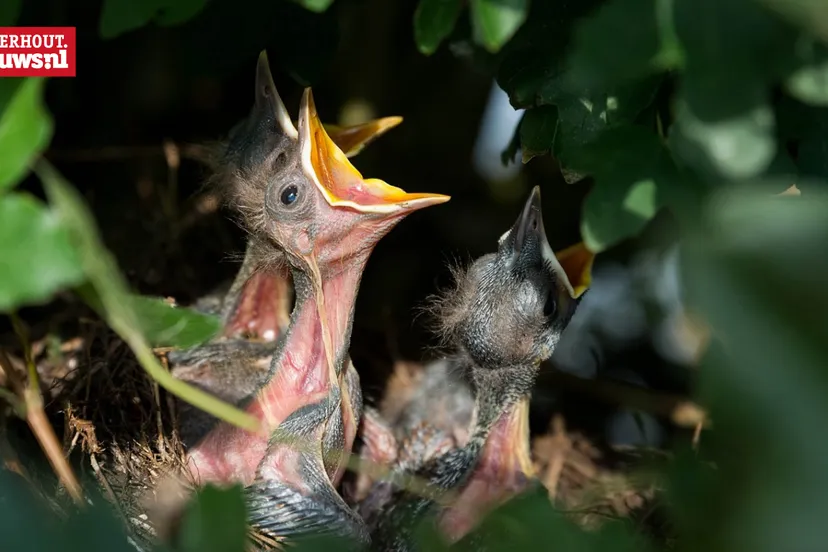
[(573, 265), (338, 180)]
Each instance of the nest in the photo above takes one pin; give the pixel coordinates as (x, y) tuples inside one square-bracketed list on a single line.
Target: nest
[(121, 431)]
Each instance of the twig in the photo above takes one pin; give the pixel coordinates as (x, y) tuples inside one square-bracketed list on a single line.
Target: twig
[(35, 415), (682, 411)]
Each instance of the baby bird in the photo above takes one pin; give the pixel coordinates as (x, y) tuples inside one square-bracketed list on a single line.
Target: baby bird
[(504, 317)]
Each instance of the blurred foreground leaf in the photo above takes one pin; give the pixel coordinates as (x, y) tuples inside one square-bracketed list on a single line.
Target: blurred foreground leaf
[(112, 296), (215, 521), (9, 11), (757, 272), (28, 525), (434, 20), (38, 258), (25, 127), (809, 82), (317, 6), (494, 22), (529, 523), (121, 16)]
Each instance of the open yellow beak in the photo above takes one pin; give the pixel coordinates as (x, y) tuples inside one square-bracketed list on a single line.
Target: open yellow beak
[(353, 139), (576, 260), (339, 181)]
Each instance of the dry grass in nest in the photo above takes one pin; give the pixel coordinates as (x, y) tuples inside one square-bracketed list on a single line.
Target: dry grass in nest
[(119, 425)]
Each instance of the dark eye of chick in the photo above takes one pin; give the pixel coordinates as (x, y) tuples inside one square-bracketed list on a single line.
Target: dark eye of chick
[(551, 305), (289, 195)]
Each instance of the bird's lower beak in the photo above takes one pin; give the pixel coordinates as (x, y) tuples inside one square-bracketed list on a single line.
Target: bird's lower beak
[(339, 181)]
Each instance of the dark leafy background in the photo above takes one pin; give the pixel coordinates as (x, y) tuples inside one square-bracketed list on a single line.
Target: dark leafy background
[(703, 107)]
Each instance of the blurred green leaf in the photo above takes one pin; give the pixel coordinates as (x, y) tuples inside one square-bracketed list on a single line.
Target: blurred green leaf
[(25, 127), (434, 20), (725, 123), (216, 521), (112, 296), (28, 524), (9, 12), (757, 270), (631, 167), (643, 27), (811, 15), (528, 520), (38, 259), (538, 130), (121, 16), (179, 11), (494, 22), (737, 147), (317, 6), (809, 83)]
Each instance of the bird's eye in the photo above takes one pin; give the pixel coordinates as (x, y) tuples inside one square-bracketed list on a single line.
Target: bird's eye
[(551, 305), (289, 195)]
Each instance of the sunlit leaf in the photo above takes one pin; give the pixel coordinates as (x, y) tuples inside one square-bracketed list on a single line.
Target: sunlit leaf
[(38, 258), (809, 83), (215, 521), (25, 127), (434, 20), (317, 6), (496, 21), (631, 166)]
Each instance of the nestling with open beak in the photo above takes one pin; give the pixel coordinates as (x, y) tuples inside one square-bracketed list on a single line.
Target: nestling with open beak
[(504, 318), (305, 203), (255, 311)]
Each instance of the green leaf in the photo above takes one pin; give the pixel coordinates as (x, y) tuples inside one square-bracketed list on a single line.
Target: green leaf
[(756, 271), (163, 324), (168, 326), (736, 147), (809, 82), (528, 520), (317, 6), (9, 12), (645, 29), (434, 20), (509, 154), (121, 16), (811, 15), (538, 130), (216, 521), (25, 127), (494, 22), (38, 259), (180, 11), (632, 167)]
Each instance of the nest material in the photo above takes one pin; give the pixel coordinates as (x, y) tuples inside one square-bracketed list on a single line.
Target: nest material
[(123, 428)]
